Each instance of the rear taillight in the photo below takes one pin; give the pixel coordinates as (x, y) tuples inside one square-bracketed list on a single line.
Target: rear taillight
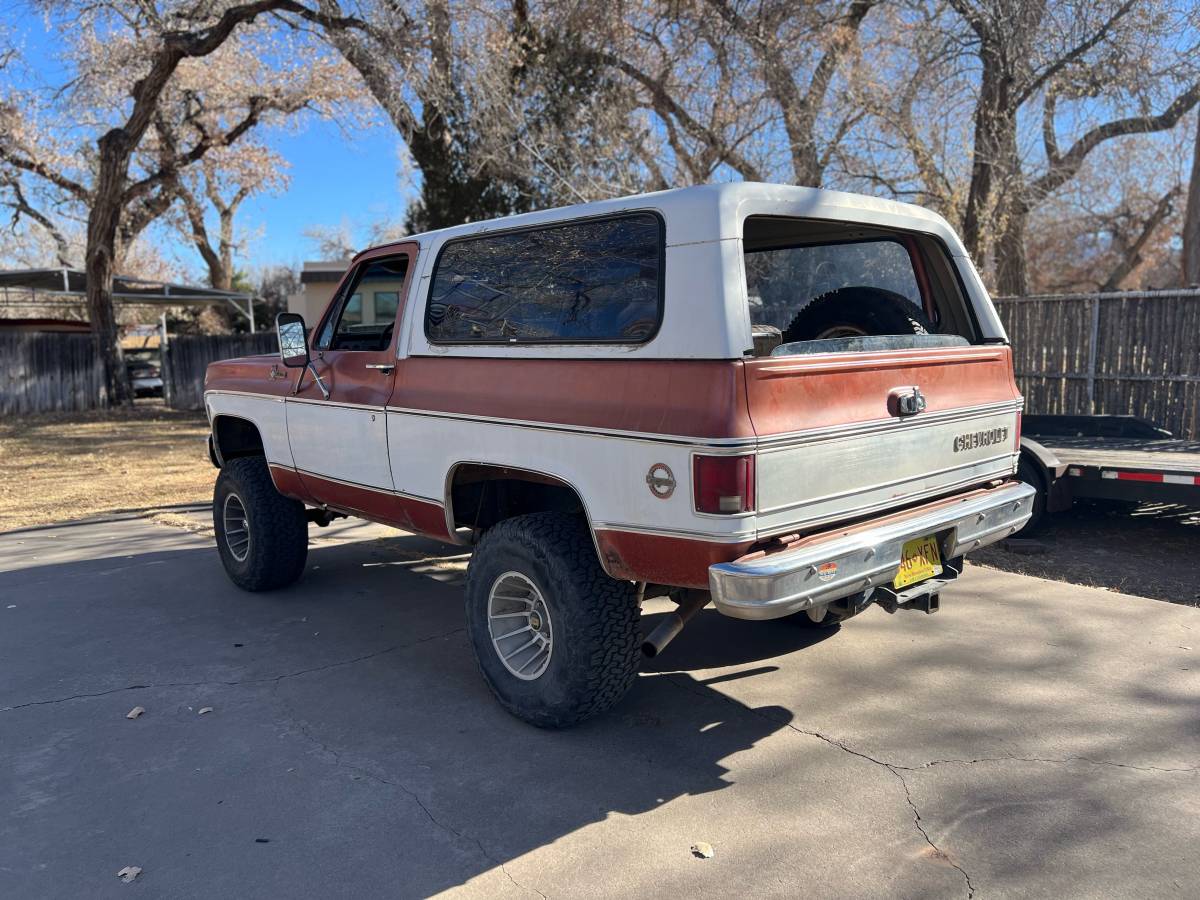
[(723, 485)]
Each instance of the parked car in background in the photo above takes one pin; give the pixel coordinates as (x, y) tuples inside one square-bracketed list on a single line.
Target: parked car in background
[(791, 402), (145, 373)]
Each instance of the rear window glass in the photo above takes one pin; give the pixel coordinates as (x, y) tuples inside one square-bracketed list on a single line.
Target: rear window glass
[(597, 281), (780, 282)]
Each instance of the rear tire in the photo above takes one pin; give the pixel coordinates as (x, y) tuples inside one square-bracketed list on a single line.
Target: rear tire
[(262, 536), (556, 639), (852, 311)]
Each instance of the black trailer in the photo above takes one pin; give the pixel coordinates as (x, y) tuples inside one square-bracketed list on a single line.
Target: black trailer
[(1106, 457)]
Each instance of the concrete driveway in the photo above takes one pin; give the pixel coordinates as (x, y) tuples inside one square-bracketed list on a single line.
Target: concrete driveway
[(1032, 739)]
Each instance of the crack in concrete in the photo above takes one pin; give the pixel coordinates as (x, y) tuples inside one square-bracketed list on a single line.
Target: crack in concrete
[(938, 851), (896, 769), (916, 813), (407, 791), (940, 854), (210, 683)]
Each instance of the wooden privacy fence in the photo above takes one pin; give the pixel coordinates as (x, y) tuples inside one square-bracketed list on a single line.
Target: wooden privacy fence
[(48, 372), (1134, 353), (186, 358)]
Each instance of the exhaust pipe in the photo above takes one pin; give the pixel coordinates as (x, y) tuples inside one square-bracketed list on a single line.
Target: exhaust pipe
[(693, 601)]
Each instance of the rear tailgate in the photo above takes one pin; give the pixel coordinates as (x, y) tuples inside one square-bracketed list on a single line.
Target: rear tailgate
[(832, 448)]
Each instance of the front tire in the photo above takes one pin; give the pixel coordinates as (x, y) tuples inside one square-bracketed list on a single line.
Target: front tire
[(555, 637), (262, 536)]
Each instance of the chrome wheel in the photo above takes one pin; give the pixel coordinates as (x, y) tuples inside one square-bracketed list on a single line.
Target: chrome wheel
[(237, 527), (519, 625)]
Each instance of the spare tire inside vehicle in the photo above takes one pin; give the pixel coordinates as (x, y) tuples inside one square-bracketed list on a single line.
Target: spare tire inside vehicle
[(857, 312)]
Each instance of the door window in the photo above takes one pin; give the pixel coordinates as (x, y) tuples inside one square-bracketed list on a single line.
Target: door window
[(364, 315)]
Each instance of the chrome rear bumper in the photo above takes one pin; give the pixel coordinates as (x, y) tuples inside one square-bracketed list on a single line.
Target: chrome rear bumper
[(782, 583)]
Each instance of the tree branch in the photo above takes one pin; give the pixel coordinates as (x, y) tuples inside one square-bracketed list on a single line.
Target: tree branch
[(1132, 257), (22, 207), (1068, 165), (1074, 53), (74, 188), (666, 106)]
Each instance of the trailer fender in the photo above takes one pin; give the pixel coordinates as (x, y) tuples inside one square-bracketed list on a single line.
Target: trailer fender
[(1051, 468)]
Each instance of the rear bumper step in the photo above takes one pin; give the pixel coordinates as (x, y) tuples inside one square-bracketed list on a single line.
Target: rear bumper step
[(819, 571)]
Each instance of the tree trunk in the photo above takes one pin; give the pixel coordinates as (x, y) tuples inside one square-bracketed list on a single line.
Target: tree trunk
[(989, 112), (223, 280), (1191, 220), (997, 212), (1012, 269), (103, 218)]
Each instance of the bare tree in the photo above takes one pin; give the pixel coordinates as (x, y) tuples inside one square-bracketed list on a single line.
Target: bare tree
[(1103, 58), (139, 48), (219, 185), (1115, 225), (750, 87)]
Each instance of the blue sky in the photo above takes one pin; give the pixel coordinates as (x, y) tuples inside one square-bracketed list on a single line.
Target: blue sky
[(335, 177)]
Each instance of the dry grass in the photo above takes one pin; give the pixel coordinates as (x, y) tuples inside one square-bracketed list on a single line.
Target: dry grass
[(62, 466)]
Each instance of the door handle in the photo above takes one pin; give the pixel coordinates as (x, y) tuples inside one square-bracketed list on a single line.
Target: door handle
[(385, 368)]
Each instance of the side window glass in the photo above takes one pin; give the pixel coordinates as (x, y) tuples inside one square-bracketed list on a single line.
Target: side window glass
[(365, 317), (594, 281), (352, 314)]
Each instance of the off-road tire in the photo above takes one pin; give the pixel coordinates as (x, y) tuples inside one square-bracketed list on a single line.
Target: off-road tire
[(873, 311), (277, 527), (594, 618)]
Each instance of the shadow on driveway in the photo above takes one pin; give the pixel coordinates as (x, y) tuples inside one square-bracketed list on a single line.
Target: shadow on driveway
[(353, 749)]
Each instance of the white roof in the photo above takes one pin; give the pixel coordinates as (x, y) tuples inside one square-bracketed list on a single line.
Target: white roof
[(716, 212)]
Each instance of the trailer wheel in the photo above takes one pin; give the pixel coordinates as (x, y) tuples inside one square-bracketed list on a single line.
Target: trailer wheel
[(556, 639), (1030, 473), (262, 536), (856, 312)]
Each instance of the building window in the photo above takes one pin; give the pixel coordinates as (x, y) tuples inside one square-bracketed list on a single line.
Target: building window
[(386, 305)]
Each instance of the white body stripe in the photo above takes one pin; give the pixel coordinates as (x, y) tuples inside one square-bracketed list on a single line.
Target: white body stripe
[(609, 473), (268, 413), (815, 478), (348, 443)]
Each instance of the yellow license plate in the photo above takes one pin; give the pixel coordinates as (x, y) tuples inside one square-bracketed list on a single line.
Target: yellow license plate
[(919, 560)]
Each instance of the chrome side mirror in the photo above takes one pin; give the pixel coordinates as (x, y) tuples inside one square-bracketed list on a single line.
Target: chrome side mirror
[(293, 349), (293, 342)]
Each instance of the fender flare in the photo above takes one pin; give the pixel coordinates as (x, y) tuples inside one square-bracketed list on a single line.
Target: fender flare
[(1052, 469), (548, 477), (1049, 464)]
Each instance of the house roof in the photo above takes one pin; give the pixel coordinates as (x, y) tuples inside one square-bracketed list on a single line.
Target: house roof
[(73, 282)]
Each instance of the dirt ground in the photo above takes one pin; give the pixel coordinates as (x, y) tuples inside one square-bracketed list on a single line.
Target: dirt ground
[(1150, 550), (61, 466)]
